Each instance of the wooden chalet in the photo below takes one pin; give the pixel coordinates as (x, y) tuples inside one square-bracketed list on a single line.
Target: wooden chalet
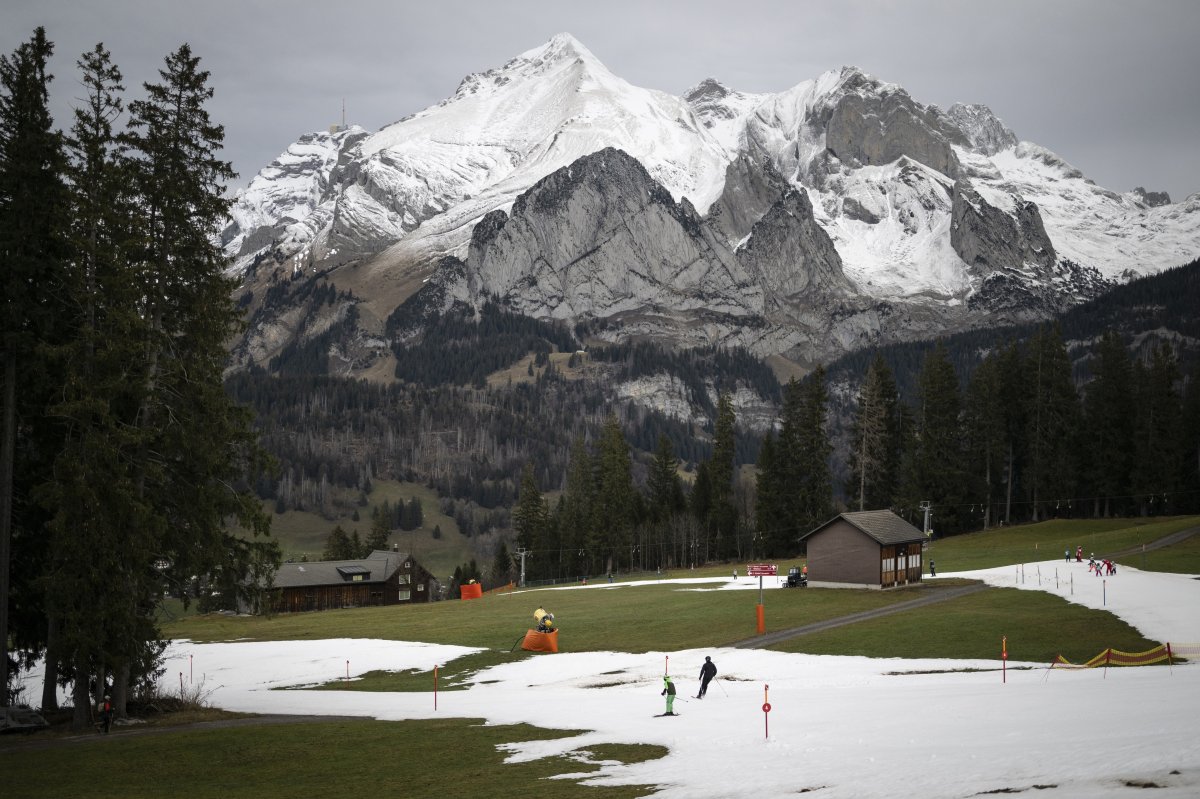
[(868, 549), (381, 578)]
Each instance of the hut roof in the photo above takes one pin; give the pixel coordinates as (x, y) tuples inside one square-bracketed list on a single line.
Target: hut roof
[(882, 525), (374, 568)]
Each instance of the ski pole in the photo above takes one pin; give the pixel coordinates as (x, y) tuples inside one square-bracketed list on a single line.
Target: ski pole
[(722, 688)]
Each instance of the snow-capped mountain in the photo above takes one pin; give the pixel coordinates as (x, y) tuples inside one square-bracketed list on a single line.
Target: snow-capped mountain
[(837, 213)]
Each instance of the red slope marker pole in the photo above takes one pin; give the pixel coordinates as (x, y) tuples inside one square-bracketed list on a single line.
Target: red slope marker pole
[(435, 686), (1004, 659), (766, 709)]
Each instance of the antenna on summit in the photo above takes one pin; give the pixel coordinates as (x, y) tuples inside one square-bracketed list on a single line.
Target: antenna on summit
[(343, 113)]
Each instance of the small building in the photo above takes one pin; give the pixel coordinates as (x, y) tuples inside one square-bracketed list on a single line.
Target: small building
[(381, 578), (866, 549)]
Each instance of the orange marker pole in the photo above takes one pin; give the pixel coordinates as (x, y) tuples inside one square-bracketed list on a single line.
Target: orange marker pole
[(1004, 659), (435, 686)]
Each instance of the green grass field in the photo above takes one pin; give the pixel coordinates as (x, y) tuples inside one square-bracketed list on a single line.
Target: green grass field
[(453, 757), (1037, 626), (1028, 543), (640, 617)]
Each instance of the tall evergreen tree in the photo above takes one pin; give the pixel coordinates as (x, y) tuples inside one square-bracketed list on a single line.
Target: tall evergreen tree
[(983, 417), (338, 546), (935, 469), (874, 450), (1012, 386), (1052, 423), (1190, 445), (32, 206), (377, 537), (666, 491), (722, 515), (1157, 443), (576, 522), (770, 512), (196, 455), (91, 499), (530, 519), (615, 494), (1109, 415), (502, 565), (811, 450)]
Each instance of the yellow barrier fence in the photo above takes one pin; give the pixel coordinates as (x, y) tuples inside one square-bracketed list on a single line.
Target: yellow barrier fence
[(1112, 657)]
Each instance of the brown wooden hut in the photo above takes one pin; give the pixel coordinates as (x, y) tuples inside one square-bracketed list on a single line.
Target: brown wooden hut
[(868, 549), (381, 578)]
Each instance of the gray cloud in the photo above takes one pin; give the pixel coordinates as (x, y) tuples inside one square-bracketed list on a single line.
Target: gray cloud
[(1107, 84)]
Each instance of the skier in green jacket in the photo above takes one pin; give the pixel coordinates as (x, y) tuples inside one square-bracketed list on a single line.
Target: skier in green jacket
[(669, 692)]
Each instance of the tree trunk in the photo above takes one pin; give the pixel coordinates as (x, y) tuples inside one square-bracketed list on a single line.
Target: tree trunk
[(81, 697), (987, 482), (7, 455), (50, 681), (120, 691), (1008, 490)]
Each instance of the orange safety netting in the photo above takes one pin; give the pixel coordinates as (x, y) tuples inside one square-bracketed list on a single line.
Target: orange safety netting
[(1112, 657)]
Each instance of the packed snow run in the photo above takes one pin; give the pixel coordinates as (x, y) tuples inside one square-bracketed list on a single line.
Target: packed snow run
[(838, 726)]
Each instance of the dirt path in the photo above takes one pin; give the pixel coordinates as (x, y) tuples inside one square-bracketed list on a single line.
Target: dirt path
[(934, 596), (1165, 541)]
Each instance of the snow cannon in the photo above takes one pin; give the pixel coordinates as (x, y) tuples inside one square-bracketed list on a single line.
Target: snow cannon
[(545, 637)]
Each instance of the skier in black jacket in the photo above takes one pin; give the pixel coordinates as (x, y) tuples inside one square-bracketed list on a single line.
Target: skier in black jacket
[(707, 672)]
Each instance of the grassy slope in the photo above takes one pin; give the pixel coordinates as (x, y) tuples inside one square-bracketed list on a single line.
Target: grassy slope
[(303, 534), (411, 758), (1028, 543), (1037, 626)]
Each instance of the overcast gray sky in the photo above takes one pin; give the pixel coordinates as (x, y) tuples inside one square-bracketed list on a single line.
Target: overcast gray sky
[(1112, 86)]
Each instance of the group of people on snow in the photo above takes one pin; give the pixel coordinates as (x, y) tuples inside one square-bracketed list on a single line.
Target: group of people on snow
[(707, 672), (1103, 566)]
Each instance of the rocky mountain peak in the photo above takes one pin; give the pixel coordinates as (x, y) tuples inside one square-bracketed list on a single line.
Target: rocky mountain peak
[(706, 90), (561, 50), (1154, 199), (983, 129), (838, 212)]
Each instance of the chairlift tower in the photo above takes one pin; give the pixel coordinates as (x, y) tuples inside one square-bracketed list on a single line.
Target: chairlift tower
[(522, 552)]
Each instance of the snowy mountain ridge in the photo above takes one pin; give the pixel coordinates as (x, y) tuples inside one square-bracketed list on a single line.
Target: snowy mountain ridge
[(938, 220)]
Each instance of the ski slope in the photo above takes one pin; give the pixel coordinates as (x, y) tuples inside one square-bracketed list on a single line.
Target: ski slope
[(839, 726)]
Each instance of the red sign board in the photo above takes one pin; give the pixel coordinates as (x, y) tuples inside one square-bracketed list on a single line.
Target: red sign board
[(760, 569)]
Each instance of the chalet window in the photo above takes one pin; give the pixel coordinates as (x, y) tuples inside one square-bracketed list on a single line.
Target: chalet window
[(354, 573), (403, 594), (420, 587)]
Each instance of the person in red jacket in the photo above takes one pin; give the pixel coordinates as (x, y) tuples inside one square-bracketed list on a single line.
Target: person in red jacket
[(106, 714)]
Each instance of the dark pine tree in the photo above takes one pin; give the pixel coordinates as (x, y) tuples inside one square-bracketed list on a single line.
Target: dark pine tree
[(32, 245), (1108, 410)]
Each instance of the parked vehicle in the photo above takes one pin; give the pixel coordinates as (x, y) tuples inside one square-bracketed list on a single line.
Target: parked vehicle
[(796, 578)]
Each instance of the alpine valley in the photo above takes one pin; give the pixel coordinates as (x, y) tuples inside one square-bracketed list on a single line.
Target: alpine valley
[(793, 227)]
